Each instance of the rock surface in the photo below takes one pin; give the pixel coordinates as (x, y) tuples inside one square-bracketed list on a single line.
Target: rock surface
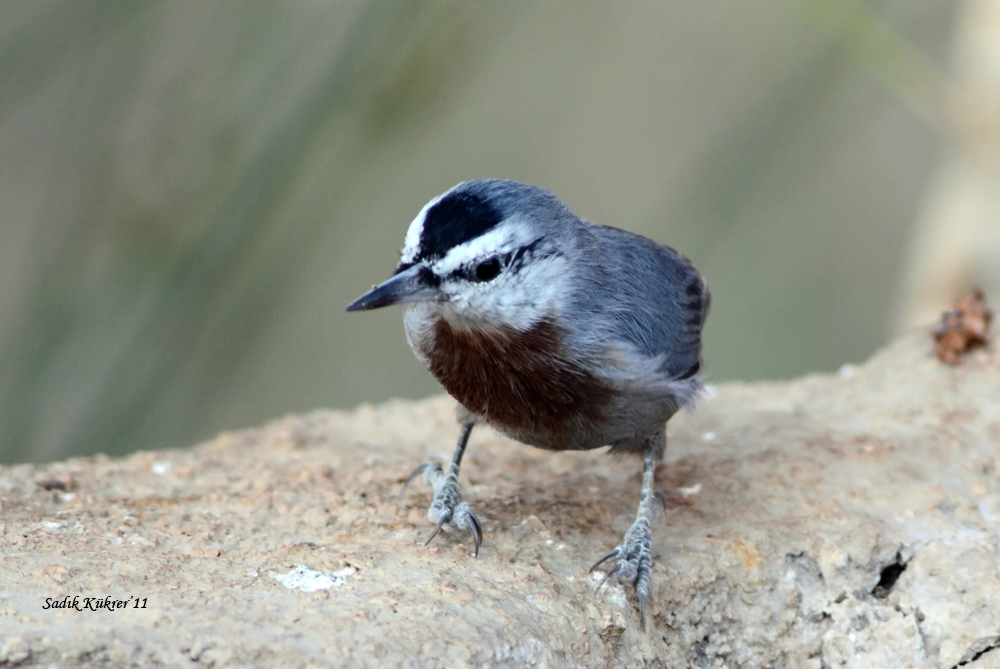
[(844, 520)]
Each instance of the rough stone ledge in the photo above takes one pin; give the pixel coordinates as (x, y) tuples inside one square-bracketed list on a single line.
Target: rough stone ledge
[(844, 520)]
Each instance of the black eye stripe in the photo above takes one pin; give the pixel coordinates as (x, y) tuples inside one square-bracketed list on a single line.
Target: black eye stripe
[(488, 269), (429, 277), (513, 260), (478, 272), (518, 257)]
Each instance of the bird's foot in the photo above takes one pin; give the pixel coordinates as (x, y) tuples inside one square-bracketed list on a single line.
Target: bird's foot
[(447, 507), (633, 561)]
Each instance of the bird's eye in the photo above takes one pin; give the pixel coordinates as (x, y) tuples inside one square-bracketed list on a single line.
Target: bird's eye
[(488, 269)]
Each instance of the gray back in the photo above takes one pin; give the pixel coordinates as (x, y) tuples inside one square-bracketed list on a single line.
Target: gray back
[(643, 292)]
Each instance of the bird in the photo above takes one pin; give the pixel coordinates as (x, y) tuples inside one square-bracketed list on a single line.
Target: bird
[(560, 333)]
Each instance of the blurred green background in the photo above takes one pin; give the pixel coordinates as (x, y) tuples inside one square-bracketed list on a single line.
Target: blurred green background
[(193, 191)]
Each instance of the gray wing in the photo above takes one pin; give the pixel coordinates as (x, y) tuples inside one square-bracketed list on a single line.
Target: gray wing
[(646, 293)]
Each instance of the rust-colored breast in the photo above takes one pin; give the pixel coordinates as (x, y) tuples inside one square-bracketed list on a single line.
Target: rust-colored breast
[(519, 381)]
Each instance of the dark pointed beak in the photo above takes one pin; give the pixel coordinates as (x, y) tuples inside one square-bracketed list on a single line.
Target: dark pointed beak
[(413, 284)]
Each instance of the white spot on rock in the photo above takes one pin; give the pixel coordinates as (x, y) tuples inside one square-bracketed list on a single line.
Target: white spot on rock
[(309, 580)]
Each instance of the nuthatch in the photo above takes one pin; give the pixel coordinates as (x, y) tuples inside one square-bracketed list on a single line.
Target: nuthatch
[(558, 332)]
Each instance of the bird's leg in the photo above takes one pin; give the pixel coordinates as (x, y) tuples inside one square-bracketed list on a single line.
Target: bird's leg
[(448, 506), (633, 559)]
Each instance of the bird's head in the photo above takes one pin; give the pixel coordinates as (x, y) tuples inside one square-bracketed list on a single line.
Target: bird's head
[(485, 253)]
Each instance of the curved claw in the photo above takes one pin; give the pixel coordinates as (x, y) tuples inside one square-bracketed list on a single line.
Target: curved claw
[(471, 522), (416, 472), (615, 552), (477, 531), (608, 574), (445, 517)]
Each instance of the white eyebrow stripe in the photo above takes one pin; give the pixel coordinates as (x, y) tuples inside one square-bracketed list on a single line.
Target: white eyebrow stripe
[(411, 244), (510, 235)]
